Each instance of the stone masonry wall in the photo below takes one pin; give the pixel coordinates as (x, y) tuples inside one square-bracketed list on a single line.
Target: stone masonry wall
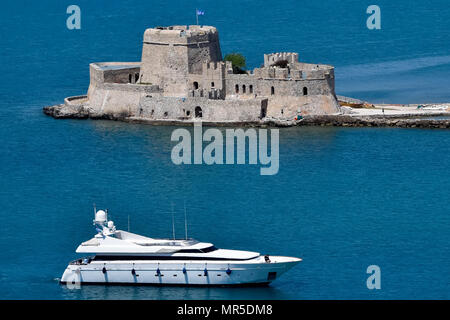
[(171, 108), (112, 98)]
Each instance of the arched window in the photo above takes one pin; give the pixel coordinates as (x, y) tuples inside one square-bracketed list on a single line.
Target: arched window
[(129, 78), (195, 85), (305, 91), (198, 112), (237, 88), (244, 88), (250, 88), (212, 84), (272, 90)]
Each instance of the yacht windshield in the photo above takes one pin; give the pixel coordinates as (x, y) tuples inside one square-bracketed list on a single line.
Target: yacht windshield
[(209, 249), (204, 250)]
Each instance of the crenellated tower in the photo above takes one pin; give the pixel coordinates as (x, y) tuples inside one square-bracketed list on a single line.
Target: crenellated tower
[(170, 54)]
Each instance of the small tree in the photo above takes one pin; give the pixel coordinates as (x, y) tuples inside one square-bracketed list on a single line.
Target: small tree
[(238, 61), (280, 64)]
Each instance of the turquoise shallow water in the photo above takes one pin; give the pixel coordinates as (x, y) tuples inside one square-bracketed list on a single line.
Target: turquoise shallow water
[(344, 198)]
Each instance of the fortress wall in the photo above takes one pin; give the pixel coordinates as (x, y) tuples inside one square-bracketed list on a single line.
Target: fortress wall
[(114, 72), (212, 77), (296, 71), (288, 94), (263, 87), (171, 108), (165, 65), (129, 75), (116, 99), (314, 71), (289, 107), (310, 66), (95, 74), (200, 53), (281, 73)]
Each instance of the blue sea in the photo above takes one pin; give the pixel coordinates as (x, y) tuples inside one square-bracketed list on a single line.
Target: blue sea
[(344, 198)]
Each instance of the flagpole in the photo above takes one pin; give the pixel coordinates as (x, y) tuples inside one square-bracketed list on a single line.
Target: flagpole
[(196, 15)]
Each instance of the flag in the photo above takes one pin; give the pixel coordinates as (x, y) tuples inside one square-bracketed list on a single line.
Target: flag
[(200, 12)]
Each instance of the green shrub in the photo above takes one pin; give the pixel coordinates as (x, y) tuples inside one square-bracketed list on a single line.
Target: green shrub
[(238, 61)]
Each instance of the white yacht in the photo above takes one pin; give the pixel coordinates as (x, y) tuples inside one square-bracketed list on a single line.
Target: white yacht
[(120, 257)]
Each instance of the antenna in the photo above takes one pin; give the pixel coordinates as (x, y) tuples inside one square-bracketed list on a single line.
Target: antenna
[(185, 221), (173, 223), (95, 209)]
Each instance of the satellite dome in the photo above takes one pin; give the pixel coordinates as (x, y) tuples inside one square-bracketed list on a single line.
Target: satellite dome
[(100, 216), (110, 224)]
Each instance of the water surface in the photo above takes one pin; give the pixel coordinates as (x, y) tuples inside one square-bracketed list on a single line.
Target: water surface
[(344, 198)]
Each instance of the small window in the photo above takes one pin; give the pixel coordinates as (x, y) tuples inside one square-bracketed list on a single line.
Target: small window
[(271, 276), (188, 113), (263, 112), (195, 85), (136, 77), (129, 78), (212, 84), (272, 91), (250, 88), (166, 114), (244, 89), (198, 112), (237, 88), (305, 91)]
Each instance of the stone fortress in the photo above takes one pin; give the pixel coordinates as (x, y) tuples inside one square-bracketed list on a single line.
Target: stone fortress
[(182, 78)]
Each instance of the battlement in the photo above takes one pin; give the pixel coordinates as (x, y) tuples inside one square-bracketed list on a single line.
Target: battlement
[(215, 65), (296, 71), (218, 68), (180, 35), (271, 58)]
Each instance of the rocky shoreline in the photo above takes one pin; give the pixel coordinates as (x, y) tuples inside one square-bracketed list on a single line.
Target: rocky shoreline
[(64, 111), (375, 121)]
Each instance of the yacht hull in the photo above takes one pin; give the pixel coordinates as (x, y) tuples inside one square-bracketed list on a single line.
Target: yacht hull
[(203, 273)]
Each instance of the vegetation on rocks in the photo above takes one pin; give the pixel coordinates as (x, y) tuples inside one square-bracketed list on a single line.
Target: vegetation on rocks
[(238, 61)]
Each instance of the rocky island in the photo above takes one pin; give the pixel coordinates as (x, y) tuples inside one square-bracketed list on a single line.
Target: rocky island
[(182, 79)]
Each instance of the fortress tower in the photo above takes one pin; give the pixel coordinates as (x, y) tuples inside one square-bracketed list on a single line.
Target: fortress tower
[(170, 54)]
